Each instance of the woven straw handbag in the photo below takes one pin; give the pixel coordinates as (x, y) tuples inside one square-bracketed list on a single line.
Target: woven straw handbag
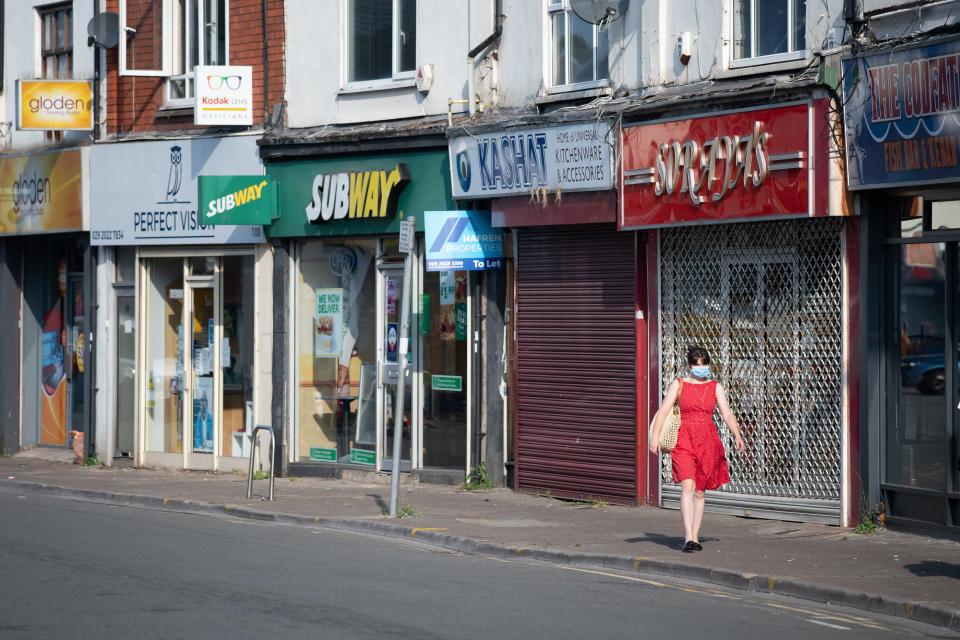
[(671, 426)]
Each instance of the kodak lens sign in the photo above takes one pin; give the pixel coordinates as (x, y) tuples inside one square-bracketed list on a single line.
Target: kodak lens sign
[(237, 199), (55, 104)]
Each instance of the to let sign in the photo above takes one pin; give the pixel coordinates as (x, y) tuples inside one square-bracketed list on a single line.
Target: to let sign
[(718, 168)]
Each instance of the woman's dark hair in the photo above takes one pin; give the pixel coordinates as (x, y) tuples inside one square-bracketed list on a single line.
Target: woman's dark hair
[(697, 354)]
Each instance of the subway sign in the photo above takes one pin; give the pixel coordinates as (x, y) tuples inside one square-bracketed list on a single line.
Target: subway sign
[(366, 195), (901, 116), (237, 199)]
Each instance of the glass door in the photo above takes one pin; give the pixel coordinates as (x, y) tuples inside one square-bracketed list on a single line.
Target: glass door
[(126, 340), (203, 391), (443, 341), (388, 353), (76, 352)]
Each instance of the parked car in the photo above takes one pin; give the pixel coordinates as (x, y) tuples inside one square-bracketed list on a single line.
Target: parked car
[(925, 372)]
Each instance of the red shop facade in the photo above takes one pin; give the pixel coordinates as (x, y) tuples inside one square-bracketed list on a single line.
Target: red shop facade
[(745, 248)]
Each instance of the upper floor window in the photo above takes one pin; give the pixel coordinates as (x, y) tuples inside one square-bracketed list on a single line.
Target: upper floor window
[(579, 51), (56, 41), (381, 39), (168, 38), (768, 27), (199, 38)]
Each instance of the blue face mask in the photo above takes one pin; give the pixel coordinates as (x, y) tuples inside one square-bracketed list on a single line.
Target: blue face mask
[(700, 370)]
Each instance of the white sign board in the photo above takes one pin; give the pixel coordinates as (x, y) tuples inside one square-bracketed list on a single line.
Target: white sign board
[(224, 95), (570, 157), (146, 192), (406, 234)]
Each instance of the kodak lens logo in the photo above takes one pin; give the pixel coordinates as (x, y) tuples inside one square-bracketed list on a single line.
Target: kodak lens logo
[(364, 194)]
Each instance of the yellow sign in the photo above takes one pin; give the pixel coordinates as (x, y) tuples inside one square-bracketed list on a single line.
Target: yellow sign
[(41, 192), (55, 104)]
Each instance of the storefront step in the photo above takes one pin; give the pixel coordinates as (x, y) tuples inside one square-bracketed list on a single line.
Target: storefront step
[(359, 473)]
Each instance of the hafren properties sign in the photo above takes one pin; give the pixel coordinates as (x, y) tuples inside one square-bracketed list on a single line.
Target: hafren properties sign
[(54, 104), (237, 199)]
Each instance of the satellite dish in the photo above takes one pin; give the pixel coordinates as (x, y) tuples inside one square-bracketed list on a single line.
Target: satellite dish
[(103, 30), (599, 12)]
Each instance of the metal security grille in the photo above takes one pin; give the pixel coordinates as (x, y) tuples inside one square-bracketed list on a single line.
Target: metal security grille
[(766, 300)]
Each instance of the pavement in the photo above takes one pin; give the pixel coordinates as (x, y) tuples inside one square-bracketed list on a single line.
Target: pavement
[(900, 573)]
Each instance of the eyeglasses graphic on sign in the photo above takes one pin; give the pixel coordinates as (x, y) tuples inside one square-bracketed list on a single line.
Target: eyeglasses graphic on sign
[(216, 82)]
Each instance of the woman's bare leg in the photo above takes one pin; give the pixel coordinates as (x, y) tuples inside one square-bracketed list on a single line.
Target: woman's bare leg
[(699, 502), (688, 509)]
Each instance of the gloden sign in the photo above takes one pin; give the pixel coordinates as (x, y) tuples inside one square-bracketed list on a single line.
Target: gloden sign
[(55, 104), (718, 168), (902, 117)]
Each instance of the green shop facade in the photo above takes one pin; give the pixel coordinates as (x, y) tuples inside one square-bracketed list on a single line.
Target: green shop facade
[(338, 285)]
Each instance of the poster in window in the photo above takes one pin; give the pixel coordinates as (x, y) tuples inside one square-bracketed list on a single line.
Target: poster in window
[(202, 418), (329, 322)]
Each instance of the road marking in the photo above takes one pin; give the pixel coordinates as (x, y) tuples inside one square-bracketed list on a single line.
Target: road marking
[(821, 615), (863, 622), (413, 532), (639, 559), (827, 624), (654, 583)]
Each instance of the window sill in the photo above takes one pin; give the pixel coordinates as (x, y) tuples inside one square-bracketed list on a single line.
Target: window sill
[(373, 87), (770, 67), (173, 112), (765, 61), (575, 93)]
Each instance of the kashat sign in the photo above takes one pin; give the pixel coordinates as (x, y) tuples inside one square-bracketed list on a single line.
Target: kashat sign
[(571, 157), (727, 166)]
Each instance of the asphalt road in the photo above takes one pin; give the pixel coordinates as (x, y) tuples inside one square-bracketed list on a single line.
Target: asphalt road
[(72, 569)]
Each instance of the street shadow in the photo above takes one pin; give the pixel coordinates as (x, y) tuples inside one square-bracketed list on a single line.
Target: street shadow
[(934, 568), (380, 503), (672, 542)]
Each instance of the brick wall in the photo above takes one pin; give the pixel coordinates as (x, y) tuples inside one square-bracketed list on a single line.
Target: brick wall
[(134, 102)]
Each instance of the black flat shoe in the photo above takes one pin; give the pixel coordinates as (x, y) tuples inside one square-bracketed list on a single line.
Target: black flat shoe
[(689, 546), (696, 546)]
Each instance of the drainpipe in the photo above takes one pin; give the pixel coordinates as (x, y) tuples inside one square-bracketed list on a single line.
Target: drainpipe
[(855, 17), (480, 48), (266, 68)]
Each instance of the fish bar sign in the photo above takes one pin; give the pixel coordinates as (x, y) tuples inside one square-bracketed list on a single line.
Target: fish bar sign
[(717, 168)]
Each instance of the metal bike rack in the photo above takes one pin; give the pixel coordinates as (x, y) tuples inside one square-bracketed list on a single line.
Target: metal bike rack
[(253, 451)]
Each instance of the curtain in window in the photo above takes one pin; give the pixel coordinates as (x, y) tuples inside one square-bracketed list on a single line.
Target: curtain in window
[(370, 39)]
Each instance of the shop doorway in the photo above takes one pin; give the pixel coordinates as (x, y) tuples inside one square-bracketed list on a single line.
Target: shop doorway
[(125, 335), (198, 356), (392, 286), (76, 365)]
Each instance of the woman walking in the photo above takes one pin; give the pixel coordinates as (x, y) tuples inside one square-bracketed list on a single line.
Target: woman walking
[(699, 461)]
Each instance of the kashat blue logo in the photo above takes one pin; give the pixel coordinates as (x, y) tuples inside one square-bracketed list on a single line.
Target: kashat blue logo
[(463, 170)]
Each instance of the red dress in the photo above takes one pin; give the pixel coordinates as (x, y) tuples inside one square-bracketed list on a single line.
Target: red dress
[(699, 453)]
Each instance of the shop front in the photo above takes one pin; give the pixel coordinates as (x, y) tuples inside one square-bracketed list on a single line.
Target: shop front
[(572, 287), (47, 304), (179, 300), (340, 221), (747, 254), (902, 151)]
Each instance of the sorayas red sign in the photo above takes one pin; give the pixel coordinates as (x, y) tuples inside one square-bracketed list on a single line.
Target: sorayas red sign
[(721, 167)]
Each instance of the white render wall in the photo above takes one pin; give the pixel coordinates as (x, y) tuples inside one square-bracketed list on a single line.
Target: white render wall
[(21, 50), (643, 55)]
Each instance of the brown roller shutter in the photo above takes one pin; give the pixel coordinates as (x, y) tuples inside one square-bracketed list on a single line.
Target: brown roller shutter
[(576, 374)]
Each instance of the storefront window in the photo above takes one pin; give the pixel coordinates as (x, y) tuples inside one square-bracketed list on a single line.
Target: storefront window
[(336, 355), (443, 335), (916, 443), (237, 354), (163, 335)]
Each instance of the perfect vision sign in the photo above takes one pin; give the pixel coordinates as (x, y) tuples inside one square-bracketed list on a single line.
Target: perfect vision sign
[(148, 194), (569, 157)]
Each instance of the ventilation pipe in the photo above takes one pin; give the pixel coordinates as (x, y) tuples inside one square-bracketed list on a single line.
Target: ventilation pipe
[(480, 48)]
